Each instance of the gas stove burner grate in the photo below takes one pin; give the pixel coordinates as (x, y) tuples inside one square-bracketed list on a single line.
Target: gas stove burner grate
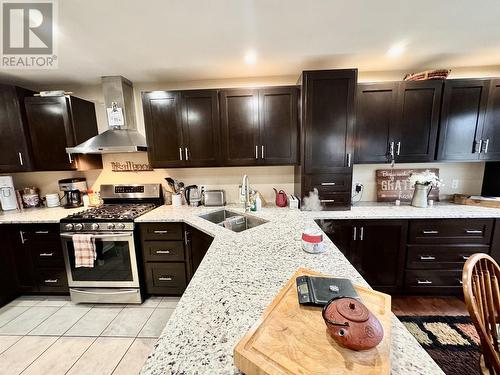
[(113, 212)]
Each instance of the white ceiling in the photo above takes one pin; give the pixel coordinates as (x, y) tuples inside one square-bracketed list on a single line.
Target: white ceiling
[(183, 40)]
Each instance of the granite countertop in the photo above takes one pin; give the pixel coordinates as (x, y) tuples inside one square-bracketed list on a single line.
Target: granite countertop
[(36, 215), (242, 273)]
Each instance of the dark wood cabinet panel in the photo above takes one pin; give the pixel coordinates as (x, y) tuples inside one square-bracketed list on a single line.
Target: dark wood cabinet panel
[(328, 120), (200, 128), (340, 232), (443, 282), (278, 125), (441, 256), (199, 242), (165, 278), (378, 253), (56, 123), (462, 118), (240, 126), (417, 119), (8, 277), (491, 129), (15, 148), (375, 115), (163, 123), (51, 132)]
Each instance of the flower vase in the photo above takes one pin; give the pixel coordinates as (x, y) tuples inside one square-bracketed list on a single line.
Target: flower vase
[(420, 195)]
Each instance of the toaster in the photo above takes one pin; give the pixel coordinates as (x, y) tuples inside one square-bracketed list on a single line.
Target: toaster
[(214, 198)]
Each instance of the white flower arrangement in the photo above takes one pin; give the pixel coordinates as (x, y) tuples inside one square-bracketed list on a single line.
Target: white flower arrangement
[(425, 178)]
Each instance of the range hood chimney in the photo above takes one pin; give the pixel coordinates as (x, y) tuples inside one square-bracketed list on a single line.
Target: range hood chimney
[(122, 135)]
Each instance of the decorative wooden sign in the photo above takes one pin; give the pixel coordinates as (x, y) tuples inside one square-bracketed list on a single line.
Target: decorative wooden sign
[(393, 184), (130, 166)]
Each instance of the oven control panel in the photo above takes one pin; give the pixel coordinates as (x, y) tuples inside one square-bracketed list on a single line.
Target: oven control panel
[(97, 227), (129, 189)]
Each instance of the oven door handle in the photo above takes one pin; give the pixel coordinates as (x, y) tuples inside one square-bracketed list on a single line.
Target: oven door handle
[(99, 236)]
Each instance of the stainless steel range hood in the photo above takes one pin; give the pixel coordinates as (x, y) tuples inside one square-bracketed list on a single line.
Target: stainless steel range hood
[(118, 93)]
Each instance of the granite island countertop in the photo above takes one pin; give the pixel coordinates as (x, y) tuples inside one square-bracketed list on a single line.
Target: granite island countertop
[(242, 273)]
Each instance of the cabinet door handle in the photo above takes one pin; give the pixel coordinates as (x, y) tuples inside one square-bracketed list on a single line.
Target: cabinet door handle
[(362, 233), (354, 233), (186, 153), (70, 159), (460, 282), (430, 232), (348, 159), (46, 254), (20, 158), (391, 150), (398, 148), (165, 278), (427, 257), (423, 282), (465, 257), (21, 234), (480, 145), (162, 251), (473, 231), (328, 184), (42, 232), (160, 231), (486, 144), (180, 153), (262, 151), (327, 200), (50, 281), (256, 152), (186, 237)]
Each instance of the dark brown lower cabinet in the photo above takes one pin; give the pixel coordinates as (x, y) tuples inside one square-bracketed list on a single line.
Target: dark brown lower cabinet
[(374, 247), (413, 256), (8, 280), (171, 253), (36, 258)]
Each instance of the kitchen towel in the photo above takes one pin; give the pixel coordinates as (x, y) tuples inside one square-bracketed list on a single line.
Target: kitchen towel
[(85, 252)]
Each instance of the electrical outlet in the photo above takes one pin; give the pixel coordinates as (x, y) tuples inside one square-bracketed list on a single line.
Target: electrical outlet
[(358, 187), (454, 184), (202, 187)]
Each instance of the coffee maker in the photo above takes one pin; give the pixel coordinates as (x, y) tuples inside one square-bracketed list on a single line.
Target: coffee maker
[(73, 189)]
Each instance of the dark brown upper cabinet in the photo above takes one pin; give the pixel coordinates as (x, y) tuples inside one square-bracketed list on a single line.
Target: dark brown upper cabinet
[(462, 118), (375, 116), (490, 148), (15, 148), (328, 120), (397, 120), (200, 127), (56, 123), (259, 126), (182, 128)]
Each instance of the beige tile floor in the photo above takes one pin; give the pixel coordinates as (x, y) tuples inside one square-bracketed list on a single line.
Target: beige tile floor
[(50, 335)]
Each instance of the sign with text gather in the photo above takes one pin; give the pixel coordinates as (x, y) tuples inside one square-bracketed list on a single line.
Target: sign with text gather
[(393, 184)]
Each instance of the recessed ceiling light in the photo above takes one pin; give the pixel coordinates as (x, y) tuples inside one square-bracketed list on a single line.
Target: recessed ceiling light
[(250, 57), (396, 50)]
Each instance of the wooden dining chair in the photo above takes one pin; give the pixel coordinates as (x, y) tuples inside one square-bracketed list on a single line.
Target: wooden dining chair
[(480, 278)]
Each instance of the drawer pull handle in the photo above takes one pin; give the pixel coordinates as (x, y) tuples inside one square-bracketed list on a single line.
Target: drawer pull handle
[(162, 251), (327, 200), (165, 278), (465, 257), (46, 254), (42, 232), (51, 281), (473, 231), (160, 232), (427, 257), (424, 282), (430, 232), (328, 184)]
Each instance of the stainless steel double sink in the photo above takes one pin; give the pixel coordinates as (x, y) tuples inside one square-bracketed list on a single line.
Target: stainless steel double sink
[(234, 221)]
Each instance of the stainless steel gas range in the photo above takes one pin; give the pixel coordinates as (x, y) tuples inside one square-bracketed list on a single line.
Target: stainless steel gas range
[(114, 277)]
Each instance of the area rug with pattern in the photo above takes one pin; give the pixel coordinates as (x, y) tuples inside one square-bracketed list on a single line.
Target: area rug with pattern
[(452, 341)]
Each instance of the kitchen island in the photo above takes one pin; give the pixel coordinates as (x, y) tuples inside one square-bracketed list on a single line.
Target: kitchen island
[(242, 273)]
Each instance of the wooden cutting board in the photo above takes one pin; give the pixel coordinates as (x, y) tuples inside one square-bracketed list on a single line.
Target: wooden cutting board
[(292, 339)]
